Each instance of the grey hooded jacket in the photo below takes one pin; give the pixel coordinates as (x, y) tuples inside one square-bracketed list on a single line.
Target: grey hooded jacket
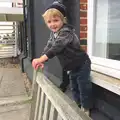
[(66, 46)]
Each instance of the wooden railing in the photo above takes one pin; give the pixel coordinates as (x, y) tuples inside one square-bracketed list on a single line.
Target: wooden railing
[(49, 103)]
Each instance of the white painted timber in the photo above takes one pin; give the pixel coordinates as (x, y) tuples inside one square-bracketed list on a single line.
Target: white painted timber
[(47, 109), (107, 82), (41, 107), (37, 103), (19, 1), (53, 103), (12, 10)]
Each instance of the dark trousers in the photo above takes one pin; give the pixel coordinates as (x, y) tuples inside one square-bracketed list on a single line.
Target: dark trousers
[(82, 86), (65, 81)]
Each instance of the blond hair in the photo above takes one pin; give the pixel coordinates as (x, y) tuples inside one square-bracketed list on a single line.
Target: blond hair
[(54, 12)]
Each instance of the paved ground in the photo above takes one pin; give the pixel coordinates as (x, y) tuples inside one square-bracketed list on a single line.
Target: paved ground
[(15, 112), (11, 82), (13, 90)]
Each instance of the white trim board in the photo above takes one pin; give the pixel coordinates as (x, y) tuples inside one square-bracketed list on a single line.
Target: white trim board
[(106, 82), (19, 1), (6, 10)]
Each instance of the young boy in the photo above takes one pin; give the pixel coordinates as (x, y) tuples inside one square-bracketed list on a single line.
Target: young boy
[(66, 46)]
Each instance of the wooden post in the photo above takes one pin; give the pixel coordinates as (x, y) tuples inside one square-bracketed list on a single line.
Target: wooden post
[(33, 96)]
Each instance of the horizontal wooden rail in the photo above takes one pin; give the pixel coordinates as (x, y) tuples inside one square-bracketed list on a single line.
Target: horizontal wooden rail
[(49, 103)]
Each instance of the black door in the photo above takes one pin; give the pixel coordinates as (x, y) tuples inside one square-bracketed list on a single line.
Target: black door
[(40, 33)]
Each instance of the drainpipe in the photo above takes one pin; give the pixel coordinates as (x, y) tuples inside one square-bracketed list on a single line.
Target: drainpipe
[(24, 52)]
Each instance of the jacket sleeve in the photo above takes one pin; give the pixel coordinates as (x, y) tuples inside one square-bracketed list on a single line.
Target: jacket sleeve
[(49, 44), (63, 39)]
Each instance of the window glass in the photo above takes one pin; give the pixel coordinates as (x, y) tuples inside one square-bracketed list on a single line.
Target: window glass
[(106, 43)]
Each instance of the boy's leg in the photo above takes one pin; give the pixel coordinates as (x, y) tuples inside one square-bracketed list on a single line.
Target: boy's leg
[(82, 86), (85, 86), (65, 81), (75, 89)]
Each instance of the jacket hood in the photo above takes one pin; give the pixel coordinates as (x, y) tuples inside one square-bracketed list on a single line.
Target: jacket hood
[(67, 27)]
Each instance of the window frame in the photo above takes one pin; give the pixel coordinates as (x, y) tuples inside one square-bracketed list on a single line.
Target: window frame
[(103, 65)]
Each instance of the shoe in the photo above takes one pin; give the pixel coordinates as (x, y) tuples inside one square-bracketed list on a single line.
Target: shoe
[(63, 89), (86, 111), (79, 105)]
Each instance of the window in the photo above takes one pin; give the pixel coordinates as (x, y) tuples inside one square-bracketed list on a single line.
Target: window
[(104, 36)]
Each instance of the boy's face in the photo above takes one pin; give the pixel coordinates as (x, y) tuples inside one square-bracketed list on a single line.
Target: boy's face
[(54, 23)]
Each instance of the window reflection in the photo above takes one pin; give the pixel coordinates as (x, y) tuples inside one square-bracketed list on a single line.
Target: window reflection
[(107, 30)]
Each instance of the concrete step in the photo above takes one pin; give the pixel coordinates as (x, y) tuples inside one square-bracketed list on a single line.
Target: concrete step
[(21, 112), (14, 103), (15, 108)]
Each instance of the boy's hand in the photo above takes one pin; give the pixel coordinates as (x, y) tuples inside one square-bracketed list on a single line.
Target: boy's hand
[(36, 63)]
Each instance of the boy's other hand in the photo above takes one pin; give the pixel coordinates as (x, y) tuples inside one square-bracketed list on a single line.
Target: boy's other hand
[(36, 64)]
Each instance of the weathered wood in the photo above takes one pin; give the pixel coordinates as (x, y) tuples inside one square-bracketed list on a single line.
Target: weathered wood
[(52, 104), (67, 109), (37, 103), (34, 84), (41, 108), (47, 109), (53, 113), (107, 82), (33, 96), (59, 117)]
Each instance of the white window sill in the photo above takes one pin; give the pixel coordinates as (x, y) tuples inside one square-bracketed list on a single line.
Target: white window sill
[(107, 82)]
